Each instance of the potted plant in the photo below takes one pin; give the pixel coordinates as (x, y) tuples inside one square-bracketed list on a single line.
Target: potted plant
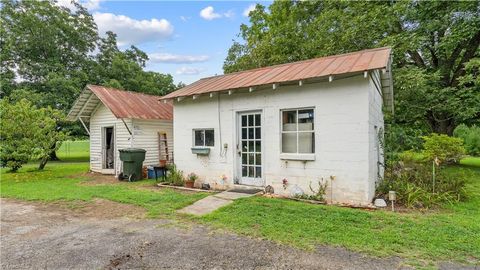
[(191, 180)]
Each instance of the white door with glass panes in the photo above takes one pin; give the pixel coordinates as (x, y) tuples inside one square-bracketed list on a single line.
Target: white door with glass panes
[(249, 149)]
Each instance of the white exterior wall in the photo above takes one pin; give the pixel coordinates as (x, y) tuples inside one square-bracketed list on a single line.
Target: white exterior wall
[(145, 135), (342, 137), (100, 118), (376, 129)]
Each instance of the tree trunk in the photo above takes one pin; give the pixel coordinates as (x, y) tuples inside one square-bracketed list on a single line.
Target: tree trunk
[(53, 154), (43, 162), (442, 126)]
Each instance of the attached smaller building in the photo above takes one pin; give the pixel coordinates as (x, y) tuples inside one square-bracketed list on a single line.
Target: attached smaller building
[(117, 119)]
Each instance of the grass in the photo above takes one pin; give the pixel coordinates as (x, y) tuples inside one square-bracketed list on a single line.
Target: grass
[(74, 151), (56, 183), (449, 234)]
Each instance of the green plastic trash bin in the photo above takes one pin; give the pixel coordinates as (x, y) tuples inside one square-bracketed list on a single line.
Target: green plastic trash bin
[(132, 159)]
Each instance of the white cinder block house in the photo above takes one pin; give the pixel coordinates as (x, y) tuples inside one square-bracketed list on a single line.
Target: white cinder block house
[(289, 126), (117, 119)]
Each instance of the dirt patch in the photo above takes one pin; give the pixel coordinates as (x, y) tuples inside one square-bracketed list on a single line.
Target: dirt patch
[(97, 208), (93, 179)]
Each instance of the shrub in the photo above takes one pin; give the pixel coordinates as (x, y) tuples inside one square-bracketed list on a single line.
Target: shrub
[(413, 183), (175, 177), (28, 132), (446, 149), (398, 139), (470, 137)]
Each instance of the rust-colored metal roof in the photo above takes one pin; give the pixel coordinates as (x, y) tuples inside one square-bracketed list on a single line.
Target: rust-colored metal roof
[(123, 104), (313, 68)]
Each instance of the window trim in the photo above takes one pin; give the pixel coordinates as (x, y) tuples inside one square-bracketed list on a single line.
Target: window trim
[(204, 138), (297, 155)]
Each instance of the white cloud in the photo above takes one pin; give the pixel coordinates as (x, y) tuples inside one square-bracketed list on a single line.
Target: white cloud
[(131, 31), (209, 14), (88, 4), (184, 18), (189, 71), (249, 9), (177, 58)]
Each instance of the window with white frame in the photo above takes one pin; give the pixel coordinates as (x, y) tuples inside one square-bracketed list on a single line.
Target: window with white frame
[(203, 137), (298, 135)]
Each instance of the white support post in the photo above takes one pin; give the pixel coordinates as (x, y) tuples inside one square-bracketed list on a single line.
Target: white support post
[(230, 92), (211, 95), (300, 83), (194, 96), (330, 78), (84, 126), (180, 99), (250, 89), (274, 86), (365, 74)]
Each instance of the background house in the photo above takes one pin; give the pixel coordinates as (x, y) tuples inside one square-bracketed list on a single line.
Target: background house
[(289, 126), (117, 119)]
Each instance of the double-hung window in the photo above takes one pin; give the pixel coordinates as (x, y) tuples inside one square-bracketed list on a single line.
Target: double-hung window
[(203, 137), (298, 135)]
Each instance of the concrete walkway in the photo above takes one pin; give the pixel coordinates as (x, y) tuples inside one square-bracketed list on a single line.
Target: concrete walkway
[(212, 203)]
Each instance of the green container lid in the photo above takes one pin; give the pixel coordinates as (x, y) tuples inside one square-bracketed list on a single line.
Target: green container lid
[(133, 150)]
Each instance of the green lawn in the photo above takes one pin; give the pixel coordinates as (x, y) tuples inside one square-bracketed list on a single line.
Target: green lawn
[(450, 234), (56, 183), (74, 151)]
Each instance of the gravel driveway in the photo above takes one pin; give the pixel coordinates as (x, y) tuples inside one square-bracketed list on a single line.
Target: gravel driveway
[(33, 237)]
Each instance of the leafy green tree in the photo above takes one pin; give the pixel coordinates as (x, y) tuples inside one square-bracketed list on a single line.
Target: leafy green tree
[(28, 132), (436, 47)]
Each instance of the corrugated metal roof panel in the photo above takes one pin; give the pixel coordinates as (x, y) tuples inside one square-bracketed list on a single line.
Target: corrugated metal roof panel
[(126, 104), (312, 68)]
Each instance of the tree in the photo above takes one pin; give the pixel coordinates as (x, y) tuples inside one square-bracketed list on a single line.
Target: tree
[(433, 42), (28, 132)]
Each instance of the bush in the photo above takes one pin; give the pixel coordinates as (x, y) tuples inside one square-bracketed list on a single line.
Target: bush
[(446, 149), (175, 177), (470, 137), (413, 183), (398, 139)]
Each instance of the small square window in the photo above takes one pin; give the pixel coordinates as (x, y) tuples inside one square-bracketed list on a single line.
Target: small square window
[(204, 137)]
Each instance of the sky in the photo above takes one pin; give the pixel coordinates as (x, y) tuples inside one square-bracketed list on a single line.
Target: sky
[(187, 39)]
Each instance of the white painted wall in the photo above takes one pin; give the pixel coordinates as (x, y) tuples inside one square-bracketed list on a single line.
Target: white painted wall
[(100, 118), (343, 136), (144, 136)]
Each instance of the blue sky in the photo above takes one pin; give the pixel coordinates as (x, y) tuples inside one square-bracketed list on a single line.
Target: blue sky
[(188, 39)]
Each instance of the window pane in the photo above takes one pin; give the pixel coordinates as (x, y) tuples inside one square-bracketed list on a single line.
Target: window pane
[(251, 159), (209, 137), (244, 171), (250, 120), (244, 120), (244, 158), (258, 159), (251, 171), (257, 120), (289, 143), (250, 146), (306, 142), (244, 133), (258, 133), (250, 133), (199, 138), (244, 146), (258, 146), (289, 120), (305, 119), (258, 172)]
